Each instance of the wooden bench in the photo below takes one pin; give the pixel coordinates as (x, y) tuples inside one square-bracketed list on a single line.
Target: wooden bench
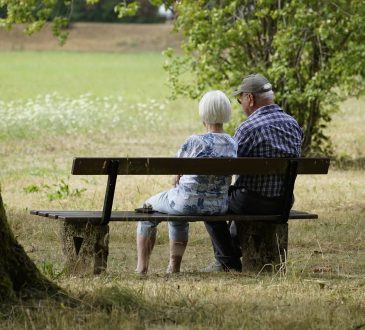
[(264, 238)]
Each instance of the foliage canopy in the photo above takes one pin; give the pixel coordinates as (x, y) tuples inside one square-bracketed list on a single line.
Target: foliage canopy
[(312, 51)]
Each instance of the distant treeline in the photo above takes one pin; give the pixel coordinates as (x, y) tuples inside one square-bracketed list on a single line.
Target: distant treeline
[(103, 11)]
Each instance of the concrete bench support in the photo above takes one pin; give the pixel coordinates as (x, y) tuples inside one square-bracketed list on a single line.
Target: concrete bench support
[(264, 245), (85, 247)]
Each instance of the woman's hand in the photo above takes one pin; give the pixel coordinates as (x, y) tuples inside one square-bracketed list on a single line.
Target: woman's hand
[(175, 180)]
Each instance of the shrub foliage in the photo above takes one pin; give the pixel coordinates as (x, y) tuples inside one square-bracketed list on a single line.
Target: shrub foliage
[(312, 51)]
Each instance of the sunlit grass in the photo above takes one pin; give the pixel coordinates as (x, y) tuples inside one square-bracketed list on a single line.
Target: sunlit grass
[(347, 130), (136, 77)]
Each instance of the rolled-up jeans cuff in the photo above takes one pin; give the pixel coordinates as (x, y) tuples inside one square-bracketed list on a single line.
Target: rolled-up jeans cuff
[(147, 228), (178, 231)]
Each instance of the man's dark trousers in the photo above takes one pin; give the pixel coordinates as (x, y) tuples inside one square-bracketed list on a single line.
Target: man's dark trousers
[(224, 236)]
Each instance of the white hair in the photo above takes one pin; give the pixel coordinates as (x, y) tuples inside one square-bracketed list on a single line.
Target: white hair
[(215, 108), (265, 95)]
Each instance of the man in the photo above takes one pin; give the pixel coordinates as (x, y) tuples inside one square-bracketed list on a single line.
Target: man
[(267, 132)]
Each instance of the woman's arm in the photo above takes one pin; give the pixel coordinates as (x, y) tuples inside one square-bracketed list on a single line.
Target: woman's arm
[(190, 148), (176, 179)]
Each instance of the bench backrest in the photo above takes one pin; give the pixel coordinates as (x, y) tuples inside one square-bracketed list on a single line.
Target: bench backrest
[(217, 166), (288, 167)]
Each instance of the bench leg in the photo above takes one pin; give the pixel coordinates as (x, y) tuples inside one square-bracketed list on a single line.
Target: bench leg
[(85, 247), (264, 246)]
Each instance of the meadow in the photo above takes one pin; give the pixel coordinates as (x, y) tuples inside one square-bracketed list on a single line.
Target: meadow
[(57, 105)]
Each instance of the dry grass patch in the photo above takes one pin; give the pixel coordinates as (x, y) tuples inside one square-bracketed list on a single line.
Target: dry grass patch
[(323, 288), (98, 37)]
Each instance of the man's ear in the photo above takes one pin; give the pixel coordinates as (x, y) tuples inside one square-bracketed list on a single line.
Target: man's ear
[(252, 100)]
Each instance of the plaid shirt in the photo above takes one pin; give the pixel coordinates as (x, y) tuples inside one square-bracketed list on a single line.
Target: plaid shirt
[(267, 132)]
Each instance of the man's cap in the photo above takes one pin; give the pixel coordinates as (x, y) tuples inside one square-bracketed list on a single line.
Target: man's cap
[(253, 83)]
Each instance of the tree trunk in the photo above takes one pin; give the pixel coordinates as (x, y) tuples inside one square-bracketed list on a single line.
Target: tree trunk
[(19, 277), (264, 246)]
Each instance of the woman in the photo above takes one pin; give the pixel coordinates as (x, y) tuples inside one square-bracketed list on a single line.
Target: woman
[(192, 194)]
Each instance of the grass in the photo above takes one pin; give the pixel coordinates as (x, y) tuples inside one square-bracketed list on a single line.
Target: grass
[(115, 105), (136, 76)]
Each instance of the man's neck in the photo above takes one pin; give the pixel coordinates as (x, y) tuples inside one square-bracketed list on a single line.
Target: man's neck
[(261, 103)]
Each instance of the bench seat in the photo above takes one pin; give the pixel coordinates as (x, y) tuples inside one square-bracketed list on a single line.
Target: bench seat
[(94, 217)]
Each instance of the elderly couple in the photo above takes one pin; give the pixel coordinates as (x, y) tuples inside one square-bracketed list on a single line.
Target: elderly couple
[(267, 132)]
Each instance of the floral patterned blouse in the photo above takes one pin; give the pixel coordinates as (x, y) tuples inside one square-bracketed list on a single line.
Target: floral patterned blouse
[(203, 194)]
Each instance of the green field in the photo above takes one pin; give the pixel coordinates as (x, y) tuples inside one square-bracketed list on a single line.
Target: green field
[(55, 106), (136, 76)]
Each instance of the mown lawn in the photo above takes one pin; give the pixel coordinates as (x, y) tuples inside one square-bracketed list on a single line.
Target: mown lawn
[(55, 106)]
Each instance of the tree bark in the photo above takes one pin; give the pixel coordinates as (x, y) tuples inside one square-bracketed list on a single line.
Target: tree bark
[(19, 276)]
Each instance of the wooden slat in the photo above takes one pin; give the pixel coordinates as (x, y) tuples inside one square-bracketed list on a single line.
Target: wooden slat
[(302, 215), (95, 216), (217, 166), (313, 165)]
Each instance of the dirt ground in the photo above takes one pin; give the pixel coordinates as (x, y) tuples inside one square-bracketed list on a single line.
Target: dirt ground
[(101, 37)]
